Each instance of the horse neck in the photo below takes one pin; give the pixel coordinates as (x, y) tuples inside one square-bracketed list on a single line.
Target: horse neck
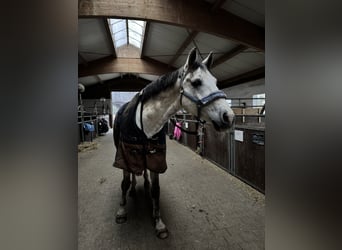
[(158, 109)]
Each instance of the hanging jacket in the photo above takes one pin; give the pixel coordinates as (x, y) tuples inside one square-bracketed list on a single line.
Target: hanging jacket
[(177, 132)]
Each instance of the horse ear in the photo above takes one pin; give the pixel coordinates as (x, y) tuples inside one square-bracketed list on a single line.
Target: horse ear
[(191, 58), (208, 61)]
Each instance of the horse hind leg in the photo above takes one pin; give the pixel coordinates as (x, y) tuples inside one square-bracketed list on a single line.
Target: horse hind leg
[(161, 230), (121, 215)]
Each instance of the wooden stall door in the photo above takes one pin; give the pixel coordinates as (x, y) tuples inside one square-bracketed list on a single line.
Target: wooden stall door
[(216, 146), (250, 158)]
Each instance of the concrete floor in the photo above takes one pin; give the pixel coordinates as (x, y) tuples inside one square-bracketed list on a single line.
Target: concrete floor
[(203, 206)]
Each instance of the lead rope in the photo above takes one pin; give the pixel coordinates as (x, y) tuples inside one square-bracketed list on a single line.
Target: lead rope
[(182, 129)]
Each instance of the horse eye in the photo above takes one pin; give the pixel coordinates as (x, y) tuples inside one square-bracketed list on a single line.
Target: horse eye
[(196, 83)]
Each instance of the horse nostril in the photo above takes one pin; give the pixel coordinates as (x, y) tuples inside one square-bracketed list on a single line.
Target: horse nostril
[(225, 117)]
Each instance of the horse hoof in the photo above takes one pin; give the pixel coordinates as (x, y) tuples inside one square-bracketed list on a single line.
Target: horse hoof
[(162, 234), (121, 219)]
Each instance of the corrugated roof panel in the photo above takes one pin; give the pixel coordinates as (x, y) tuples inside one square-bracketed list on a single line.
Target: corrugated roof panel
[(105, 77), (251, 10), (248, 59), (92, 39), (245, 89), (254, 55), (163, 59), (163, 41), (257, 6), (93, 56), (88, 80), (224, 71), (241, 63), (149, 77), (206, 43), (181, 59)]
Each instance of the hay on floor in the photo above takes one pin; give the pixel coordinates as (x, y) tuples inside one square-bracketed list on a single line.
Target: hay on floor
[(87, 145)]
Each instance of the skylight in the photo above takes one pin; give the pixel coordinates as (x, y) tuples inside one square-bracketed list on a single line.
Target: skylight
[(126, 32)]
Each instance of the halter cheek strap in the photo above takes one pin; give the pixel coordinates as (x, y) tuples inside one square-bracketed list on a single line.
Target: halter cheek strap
[(200, 103)]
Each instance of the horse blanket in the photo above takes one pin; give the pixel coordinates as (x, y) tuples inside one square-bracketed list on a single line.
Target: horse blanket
[(134, 151)]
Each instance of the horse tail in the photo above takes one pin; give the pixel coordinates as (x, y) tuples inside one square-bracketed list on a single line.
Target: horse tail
[(116, 132), (116, 127)]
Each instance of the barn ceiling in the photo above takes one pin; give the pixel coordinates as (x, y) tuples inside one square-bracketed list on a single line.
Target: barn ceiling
[(109, 38)]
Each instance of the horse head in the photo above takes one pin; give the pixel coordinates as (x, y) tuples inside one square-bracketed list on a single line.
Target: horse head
[(200, 95)]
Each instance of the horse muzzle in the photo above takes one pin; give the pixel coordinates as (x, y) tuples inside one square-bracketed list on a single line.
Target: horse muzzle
[(225, 121)]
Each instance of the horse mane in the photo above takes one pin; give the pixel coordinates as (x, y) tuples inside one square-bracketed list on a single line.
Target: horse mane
[(162, 83), (166, 81)]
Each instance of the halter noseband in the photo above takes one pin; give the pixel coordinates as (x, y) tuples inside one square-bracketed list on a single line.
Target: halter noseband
[(200, 103)]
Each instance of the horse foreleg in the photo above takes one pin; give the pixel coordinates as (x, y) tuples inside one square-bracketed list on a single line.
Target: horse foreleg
[(160, 227), (146, 182), (121, 215), (132, 192)]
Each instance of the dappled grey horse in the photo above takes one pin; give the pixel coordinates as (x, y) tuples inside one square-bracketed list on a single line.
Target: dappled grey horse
[(139, 134)]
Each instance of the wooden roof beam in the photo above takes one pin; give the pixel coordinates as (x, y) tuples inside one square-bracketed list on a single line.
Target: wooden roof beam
[(125, 83), (192, 14), (242, 78), (123, 65)]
